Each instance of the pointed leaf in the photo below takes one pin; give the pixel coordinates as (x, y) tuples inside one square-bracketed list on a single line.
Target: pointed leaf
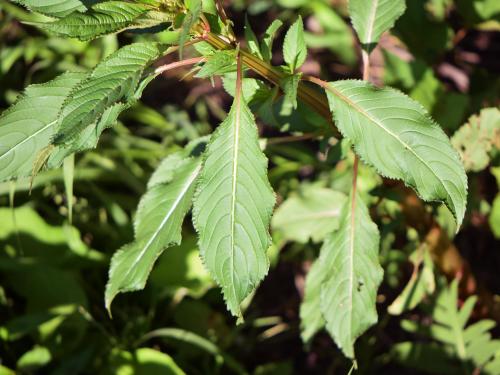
[(290, 85), (233, 206), (294, 46), (251, 39), (371, 18), (111, 81), (352, 276), (192, 16), (54, 8), (27, 127), (158, 226), (104, 18), (266, 46), (395, 134)]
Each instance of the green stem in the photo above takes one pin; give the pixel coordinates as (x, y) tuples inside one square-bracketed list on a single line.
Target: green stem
[(315, 99)]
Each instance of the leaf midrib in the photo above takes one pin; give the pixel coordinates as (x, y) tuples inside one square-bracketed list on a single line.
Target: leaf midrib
[(164, 221), (374, 120), (371, 21)]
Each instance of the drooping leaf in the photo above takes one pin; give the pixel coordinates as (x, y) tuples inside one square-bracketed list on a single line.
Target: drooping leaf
[(476, 140), (158, 226), (351, 275), (145, 361), (294, 46), (266, 45), (311, 318), (311, 214), (54, 8), (290, 85), (27, 127), (371, 18), (113, 80), (104, 18), (409, 145), (233, 205)]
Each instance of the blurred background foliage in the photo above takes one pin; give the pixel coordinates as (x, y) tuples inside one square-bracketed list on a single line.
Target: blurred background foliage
[(444, 53)]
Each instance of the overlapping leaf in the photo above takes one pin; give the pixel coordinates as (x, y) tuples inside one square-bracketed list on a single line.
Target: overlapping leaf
[(371, 18), (311, 318), (113, 80), (54, 8), (157, 226), (103, 18), (351, 275), (313, 213), (27, 127), (232, 207), (395, 134)]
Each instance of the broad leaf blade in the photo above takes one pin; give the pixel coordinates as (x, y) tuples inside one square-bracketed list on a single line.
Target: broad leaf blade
[(104, 18), (27, 127), (53, 8), (294, 46), (352, 275), (312, 213), (395, 134), (233, 206), (158, 226), (113, 80), (371, 18)]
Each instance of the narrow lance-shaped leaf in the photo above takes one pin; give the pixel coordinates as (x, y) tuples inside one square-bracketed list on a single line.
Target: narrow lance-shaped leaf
[(294, 46), (233, 205), (53, 8), (113, 80), (395, 134), (352, 275), (105, 18), (371, 18), (27, 127), (158, 226)]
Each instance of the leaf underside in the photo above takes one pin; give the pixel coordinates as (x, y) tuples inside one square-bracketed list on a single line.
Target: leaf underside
[(158, 226), (351, 276), (27, 127), (371, 18), (113, 80), (409, 145), (233, 205)]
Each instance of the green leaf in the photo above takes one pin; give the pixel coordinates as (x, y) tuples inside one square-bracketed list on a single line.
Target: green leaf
[(35, 358), (311, 318), (476, 140), (290, 85), (233, 205), (144, 361), (494, 218), (54, 8), (158, 226), (69, 175), (113, 80), (312, 213), (421, 283), (266, 46), (218, 63), (409, 145), (294, 46), (104, 18), (352, 275), (27, 127), (251, 39), (371, 18), (192, 16)]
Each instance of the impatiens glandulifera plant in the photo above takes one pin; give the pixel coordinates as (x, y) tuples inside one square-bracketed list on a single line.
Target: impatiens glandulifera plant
[(224, 178)]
